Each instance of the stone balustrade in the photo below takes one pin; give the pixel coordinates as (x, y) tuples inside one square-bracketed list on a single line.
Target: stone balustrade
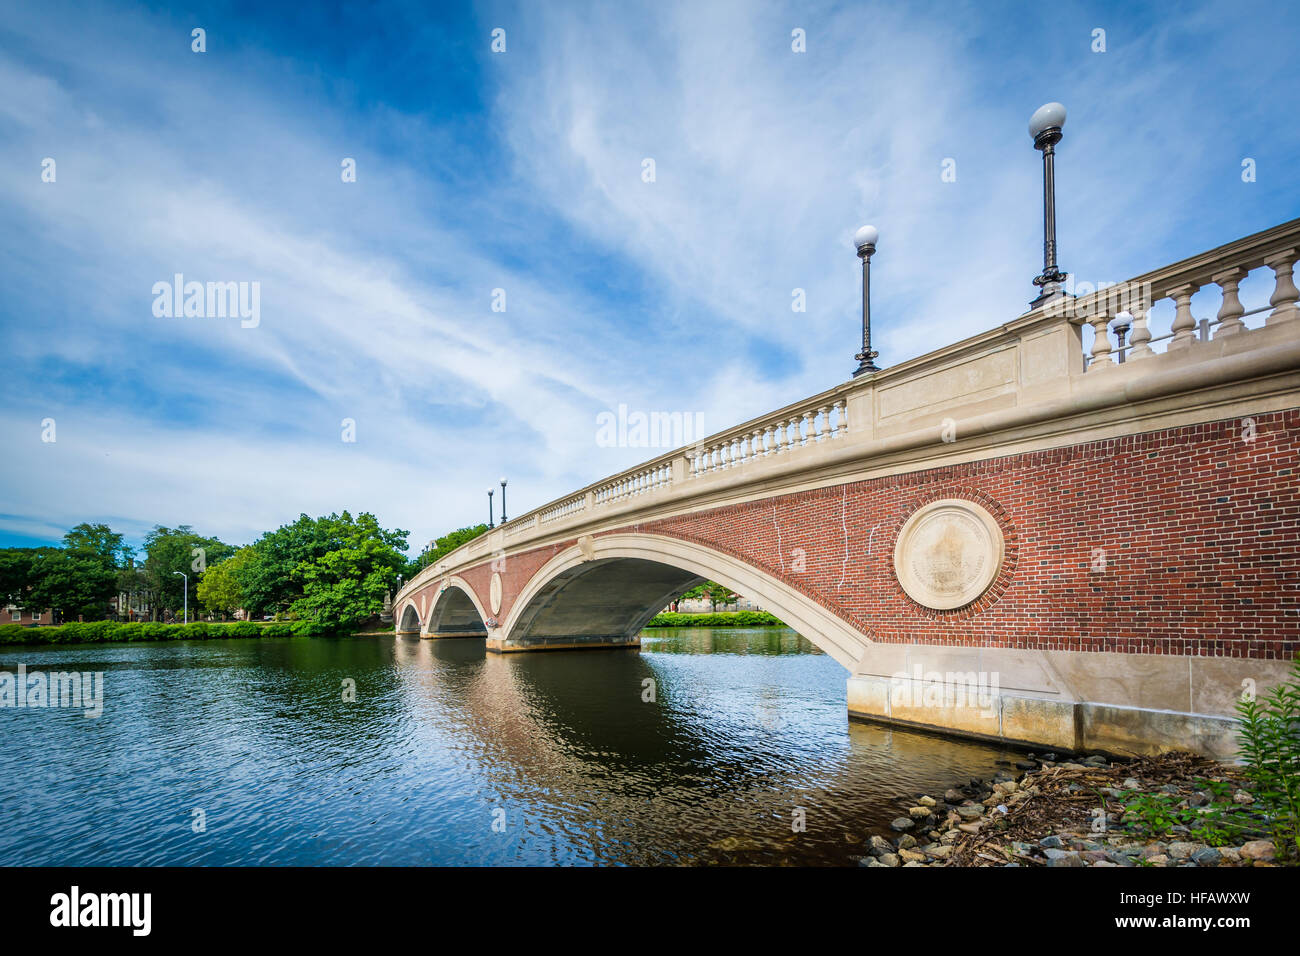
[(783, 434), (1274, 252)]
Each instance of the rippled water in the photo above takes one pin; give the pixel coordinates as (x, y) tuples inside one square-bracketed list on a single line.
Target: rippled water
[(558, 749)]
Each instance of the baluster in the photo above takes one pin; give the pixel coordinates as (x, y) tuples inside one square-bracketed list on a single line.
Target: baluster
[(1101, 351), (769, 441), (841, 418), (757, 444), (809, 431), (1184, 325), (1231, 310), (794, 433), (823, 422), (1285, 294), (1140, 339), (778, 434), (746, 448)]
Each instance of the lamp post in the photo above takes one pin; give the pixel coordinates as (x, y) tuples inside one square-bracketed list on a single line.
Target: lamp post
[(1045, 127), (490, 492), (865, 239), (1120, 326), (186, 603), (503, 501)]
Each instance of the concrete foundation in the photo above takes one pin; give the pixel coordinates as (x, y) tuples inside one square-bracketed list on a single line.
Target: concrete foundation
[(1120, 704)]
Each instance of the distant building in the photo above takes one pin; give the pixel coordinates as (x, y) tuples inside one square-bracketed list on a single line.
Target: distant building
[(16, 615)]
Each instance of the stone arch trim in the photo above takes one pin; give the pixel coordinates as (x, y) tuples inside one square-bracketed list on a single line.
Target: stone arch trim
[(837, 637), (400, 614), (440, 587)]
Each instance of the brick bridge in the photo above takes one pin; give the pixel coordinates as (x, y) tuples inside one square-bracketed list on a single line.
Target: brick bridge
[(1015, 537)]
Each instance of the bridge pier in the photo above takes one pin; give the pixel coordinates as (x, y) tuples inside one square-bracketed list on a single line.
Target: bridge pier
[(441, 635), (1115, 703)]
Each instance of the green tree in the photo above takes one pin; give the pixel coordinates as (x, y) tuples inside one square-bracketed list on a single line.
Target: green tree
[(220, 588), (277, 577), (168, 550), (448, 543), (16, 574), (347, 586)]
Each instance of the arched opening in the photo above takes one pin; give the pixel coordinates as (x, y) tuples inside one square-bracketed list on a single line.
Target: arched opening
[(409, 621), (610, 588), (454, 613)]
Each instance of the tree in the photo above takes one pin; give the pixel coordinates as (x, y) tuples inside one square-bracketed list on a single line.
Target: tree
[(448, 543), (168, 550), (16, 574), (220, 589), (277, 577), (347, 586), (714, 592)]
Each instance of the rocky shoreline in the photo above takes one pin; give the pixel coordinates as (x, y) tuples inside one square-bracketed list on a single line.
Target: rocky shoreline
[(1049, 809)]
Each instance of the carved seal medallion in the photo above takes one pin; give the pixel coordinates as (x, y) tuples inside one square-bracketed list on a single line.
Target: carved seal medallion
[(496, 593), (948, 553)]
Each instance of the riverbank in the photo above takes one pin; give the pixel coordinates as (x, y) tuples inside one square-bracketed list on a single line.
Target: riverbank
[(716, 619), (1175, 809), (98, 632)]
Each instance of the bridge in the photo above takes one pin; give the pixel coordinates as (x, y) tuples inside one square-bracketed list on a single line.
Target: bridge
[(1044, 534)]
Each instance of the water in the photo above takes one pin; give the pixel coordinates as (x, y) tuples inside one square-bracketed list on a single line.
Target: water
[(450, 755)]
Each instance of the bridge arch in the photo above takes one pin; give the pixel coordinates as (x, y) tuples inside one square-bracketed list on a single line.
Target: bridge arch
[(456, 611), (612, 585), (408, 619)]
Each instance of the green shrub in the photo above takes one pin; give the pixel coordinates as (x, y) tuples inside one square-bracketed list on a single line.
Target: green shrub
[(1270, 746), (718, 619), (195, 631)]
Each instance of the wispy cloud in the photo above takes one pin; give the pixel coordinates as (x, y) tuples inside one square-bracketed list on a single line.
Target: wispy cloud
[(523, 172)]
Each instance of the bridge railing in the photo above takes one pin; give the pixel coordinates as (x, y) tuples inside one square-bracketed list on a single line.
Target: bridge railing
[(1163, 300), (1034, 365)]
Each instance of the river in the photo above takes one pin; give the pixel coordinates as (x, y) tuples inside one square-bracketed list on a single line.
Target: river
[(706, 747)]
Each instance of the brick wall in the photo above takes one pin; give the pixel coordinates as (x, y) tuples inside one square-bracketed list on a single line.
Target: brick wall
[(1184, 541)]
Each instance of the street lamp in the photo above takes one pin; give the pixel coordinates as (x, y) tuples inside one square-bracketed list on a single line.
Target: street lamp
[(1045, 127), (503, 501), (865, 239), (1120, 326), (187, 594), (490, 492)]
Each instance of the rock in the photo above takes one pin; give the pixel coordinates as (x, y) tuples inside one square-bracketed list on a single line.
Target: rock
[(1241, 796), (953, 796), (926, 801), (1051, 842), (1230, 854), (1155, 849), (1120, 859), (1064, 858), (919, 813), (1158, 859), (1262, 850), (878, 846), (1096, 856), (1001, 777), (1026, 765), (902, 823), (890, 859), (1131, 783), (1179, 850), (1207, 856), (941, 852), (1197, 800), (911, 856), (974, 827), (1104, 863), (970, 811), (906, 841), (912, 863), (869, 861), (1096, 760)]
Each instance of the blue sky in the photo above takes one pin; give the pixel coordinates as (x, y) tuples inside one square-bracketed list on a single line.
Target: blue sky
[(522, 171)]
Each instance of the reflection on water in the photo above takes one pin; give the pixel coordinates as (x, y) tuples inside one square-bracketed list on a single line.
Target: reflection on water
[(744, 726)]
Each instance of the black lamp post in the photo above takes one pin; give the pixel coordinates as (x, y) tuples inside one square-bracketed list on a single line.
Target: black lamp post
[(1045, 127), (865, 239), (490, 524), (503, 501)]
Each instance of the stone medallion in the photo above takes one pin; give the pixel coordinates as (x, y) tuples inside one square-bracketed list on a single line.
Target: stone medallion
[(496, 593), (948, 553)]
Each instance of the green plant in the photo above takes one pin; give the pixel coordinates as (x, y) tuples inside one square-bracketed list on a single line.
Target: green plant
[(1270, 746)]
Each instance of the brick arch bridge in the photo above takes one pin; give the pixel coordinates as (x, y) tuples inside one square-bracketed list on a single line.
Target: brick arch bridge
[(1008, 537)]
